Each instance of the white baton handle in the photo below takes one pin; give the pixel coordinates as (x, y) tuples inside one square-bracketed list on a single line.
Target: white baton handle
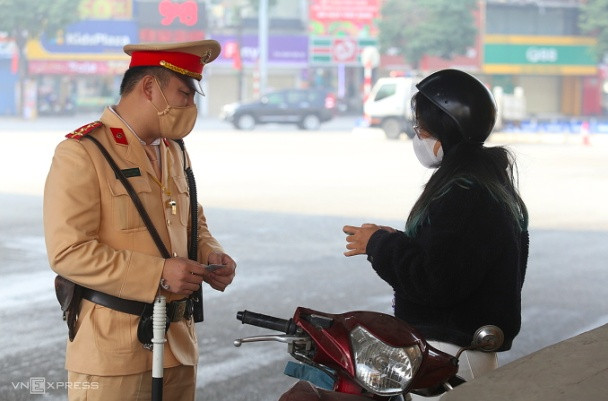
[(159, 321)]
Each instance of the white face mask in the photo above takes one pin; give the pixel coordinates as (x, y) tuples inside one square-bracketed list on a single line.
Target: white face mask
[(423, 148), (175, 122)]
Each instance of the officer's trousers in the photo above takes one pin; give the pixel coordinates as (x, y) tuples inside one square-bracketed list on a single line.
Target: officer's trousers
[(179, 384)]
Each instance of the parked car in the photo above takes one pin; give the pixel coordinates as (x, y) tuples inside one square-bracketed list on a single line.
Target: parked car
[(307, 108)]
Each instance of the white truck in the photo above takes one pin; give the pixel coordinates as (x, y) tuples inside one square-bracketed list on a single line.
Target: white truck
[(388, 106)]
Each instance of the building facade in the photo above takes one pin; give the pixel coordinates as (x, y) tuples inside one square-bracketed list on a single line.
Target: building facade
[(537, 46), (534, 48), (533, 51)]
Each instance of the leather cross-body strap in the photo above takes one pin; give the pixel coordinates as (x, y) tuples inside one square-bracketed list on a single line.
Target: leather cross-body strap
[(197, 296), (131, 191)]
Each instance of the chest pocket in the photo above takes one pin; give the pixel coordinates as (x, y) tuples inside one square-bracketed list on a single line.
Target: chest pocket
[(182, 197), (124, 213)]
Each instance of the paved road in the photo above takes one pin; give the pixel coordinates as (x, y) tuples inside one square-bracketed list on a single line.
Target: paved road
[(277, 199)]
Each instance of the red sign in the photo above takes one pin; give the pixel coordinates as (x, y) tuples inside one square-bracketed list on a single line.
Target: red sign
[(344, 10), (353, 18), (186, 12), (170, 35), (344, 50)]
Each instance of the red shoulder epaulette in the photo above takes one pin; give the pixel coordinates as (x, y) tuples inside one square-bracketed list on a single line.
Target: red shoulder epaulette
[(84, 130)]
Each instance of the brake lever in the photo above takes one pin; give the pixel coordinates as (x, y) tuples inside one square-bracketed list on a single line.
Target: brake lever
[(287, 339)]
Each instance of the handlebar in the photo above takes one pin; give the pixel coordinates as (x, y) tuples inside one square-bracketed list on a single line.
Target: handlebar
[(267, 322)]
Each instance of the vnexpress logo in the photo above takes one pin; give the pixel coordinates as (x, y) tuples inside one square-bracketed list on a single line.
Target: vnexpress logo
[(37, 385)]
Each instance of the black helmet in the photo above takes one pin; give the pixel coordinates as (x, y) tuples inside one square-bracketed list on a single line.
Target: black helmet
[(465, 99)]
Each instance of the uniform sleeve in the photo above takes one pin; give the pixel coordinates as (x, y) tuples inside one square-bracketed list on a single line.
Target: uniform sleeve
[(448, 257), (72, 214), (206, 242)]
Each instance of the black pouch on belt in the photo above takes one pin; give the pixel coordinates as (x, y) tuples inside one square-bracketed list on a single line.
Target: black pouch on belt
[(69, 295), (145, 329)]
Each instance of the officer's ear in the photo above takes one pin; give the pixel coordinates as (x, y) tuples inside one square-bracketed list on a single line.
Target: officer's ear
[(147, 86)]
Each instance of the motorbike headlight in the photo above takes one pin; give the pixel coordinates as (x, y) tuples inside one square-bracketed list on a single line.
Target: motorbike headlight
[(381, 368)]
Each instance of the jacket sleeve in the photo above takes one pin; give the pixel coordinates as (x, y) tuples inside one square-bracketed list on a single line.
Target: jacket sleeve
[(446, 260), (206, 242), (72, 219)]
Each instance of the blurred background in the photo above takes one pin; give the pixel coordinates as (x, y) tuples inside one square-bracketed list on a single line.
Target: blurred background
[(277, 197), (544, 60)]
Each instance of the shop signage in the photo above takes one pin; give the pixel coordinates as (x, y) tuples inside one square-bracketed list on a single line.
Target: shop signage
[(171, 21), (283, 50), (170, 35), (64, 67), (344, 50), (106, 9), (92, 36), (350, 18), (539, 55), (327, 50), (171, 13)]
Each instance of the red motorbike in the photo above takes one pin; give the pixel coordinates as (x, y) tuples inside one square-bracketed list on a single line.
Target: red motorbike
[(365, 353)]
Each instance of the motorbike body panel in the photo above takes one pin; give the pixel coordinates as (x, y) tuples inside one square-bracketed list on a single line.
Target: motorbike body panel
[(330, 333)]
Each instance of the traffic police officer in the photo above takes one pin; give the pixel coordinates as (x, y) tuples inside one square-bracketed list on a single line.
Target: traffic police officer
[(96, 238)]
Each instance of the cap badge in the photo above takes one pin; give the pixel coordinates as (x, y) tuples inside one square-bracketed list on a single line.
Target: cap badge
[(205, 57)]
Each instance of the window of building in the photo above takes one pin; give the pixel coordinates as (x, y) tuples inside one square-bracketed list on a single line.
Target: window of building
[(531, 20)]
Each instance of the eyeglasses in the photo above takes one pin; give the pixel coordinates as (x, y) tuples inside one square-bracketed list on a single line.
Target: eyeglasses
[(418, 130)]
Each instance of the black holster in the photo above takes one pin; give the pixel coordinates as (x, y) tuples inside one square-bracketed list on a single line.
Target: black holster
[(145, 330), (69, 295)]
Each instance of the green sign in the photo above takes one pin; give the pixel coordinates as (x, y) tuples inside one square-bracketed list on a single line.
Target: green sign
[(499, 53), (543, 55)]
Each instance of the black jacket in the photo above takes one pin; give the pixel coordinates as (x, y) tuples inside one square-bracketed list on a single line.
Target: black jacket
[(464, 268)]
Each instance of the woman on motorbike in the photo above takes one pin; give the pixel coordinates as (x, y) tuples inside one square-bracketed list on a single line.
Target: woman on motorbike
[(461, 260)]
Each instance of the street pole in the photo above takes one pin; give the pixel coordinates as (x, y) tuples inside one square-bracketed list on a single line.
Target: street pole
[(263, 45)]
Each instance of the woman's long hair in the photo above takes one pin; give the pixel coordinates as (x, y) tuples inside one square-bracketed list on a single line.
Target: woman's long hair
[(465, 164)]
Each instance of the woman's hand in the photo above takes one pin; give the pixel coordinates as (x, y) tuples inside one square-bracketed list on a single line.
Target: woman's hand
[(358, 237)]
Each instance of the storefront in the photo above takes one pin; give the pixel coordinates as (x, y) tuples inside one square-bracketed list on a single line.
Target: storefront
[(558, 74), (339, 32), (8, 77), (234, 75), (80, 70)]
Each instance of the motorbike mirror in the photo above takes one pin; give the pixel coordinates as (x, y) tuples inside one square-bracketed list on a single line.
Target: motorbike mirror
[(488, 338)]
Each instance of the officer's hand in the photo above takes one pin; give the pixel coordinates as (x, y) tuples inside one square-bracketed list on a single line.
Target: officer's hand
[(183, 276), (358, 237), (219, 279)]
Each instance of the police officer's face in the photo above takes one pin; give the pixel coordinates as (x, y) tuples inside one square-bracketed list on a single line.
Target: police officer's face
[(179, 92)]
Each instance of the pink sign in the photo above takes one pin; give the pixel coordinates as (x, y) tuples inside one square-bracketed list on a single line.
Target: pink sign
[(77, 67), (353, 18)]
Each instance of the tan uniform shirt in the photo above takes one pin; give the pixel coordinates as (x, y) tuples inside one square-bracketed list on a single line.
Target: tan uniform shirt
[(96, 238)]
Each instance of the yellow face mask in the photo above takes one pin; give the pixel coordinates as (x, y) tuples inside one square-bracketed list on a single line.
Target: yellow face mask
[(175, 122)]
